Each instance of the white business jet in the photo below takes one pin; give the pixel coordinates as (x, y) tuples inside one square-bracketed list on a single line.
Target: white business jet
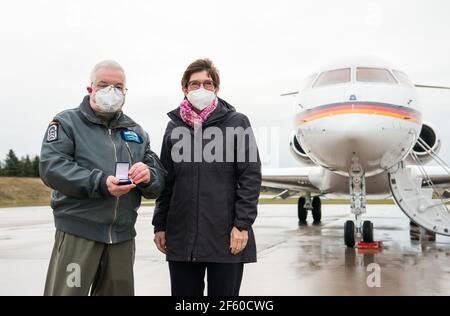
[(359, 132)]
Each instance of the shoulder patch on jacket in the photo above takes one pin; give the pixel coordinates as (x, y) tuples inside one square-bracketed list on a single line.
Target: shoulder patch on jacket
[(52, 131)]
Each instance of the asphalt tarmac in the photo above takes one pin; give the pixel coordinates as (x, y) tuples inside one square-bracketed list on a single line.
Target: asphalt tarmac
[(292, 260)]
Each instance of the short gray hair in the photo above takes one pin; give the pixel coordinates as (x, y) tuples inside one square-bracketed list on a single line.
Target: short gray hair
[(108, 64)]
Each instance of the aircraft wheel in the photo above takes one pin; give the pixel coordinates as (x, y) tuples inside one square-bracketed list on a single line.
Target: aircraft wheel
[(349, 234), (302, 211), (317, 209), (367, 231)]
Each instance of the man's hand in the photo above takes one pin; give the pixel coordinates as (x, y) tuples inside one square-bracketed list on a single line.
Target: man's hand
[(160, 241), (139, 173), (118, 190), (238, 240)]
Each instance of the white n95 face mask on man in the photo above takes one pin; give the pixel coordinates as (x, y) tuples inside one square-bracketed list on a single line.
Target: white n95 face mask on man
[(109, 99), (201, 98)]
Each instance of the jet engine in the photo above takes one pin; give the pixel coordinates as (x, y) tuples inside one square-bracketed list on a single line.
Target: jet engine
[(433, 142), (298, 152)]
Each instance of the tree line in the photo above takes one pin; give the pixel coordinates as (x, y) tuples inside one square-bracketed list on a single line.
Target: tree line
[(26, 166)]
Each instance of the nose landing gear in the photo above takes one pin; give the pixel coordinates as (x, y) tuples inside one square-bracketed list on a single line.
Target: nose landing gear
[(352, 229), (349, 234), (367, 231)]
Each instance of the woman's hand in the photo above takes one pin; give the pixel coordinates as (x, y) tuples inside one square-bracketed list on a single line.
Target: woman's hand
[(160, 241), (238, 240)]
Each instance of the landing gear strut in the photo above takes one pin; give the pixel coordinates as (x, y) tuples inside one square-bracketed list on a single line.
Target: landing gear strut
[(358, 207), (307, 203)]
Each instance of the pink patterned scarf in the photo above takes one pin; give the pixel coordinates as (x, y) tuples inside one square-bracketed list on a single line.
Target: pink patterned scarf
[(191, 117)]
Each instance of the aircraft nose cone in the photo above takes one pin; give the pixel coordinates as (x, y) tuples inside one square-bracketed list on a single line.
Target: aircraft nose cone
[(377, 144)]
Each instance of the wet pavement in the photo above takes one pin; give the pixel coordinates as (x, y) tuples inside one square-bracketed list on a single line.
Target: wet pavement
[(293, 260)]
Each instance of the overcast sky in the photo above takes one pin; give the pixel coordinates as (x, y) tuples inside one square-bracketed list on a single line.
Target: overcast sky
[(262, 48)]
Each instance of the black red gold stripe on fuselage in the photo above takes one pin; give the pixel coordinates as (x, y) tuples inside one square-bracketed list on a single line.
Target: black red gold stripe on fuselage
[(370, 108)]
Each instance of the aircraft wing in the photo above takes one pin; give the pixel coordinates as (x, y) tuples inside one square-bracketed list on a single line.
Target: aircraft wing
[(438, 176), (293, 179), (431, 87)]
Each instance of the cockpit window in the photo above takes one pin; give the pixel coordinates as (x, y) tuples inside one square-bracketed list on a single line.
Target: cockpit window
[(333, 77), (402, 78), (374, 75), (309, 81)]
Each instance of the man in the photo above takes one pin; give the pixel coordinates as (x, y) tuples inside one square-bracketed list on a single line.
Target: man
[(94, 214)]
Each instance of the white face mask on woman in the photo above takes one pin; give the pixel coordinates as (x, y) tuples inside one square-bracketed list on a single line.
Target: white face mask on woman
[(109, 99), (201, 98)]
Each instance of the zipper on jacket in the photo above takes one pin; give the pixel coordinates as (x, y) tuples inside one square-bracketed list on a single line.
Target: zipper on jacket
[(198, 214), (117, 198), (130, 155)]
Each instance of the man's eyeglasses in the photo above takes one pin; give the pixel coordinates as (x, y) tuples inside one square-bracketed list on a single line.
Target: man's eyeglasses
[(118, 87), (207, 84)]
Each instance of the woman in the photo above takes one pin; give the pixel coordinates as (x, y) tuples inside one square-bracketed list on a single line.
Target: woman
[(203, 219)]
